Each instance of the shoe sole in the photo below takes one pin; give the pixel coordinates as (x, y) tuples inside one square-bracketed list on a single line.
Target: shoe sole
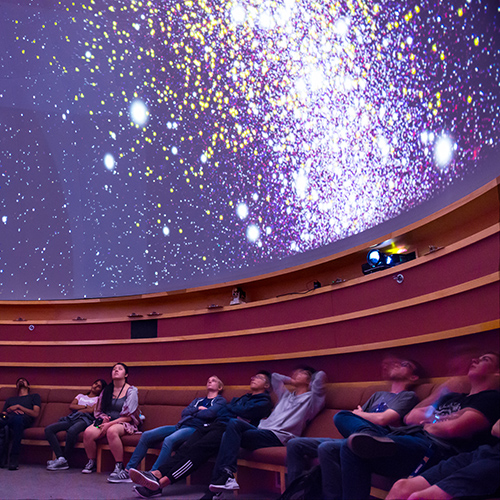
[(139, 479), (146, 496), (88, 471), (64, 467), (368, 446), (219, 488), (119, 480)]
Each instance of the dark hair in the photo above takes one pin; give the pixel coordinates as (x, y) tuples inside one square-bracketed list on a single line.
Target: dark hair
[(107, 392), (24, 378), (418, 371), (267, 375), (103, 384), (306, 368), (493, 353)]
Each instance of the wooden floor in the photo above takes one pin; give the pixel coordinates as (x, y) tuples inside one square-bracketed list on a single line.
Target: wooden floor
[(34, 482)]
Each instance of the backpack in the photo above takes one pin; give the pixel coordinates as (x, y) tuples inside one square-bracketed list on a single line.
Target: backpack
[(305, 487)]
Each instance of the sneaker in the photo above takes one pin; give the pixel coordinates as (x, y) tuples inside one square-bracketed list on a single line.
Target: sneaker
[(145, 478), (119, 475), (146, 493), (371, 446), (224, 482), (211, 496), (59, 464), (90, 467)]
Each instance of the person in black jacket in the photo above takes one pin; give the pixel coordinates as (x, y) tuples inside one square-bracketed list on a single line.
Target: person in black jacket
[(205, 442)]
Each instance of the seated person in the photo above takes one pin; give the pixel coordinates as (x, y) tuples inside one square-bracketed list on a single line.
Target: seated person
[(205, 442), (201, 411), (288, 420), (19, 413), (382, 408), (455, 423), (117, 413), (81, 416), (473, 474)]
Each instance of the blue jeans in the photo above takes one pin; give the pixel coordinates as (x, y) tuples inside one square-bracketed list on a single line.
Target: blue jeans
[(172, 439), (349, 423), (356, 472), (241, 434)]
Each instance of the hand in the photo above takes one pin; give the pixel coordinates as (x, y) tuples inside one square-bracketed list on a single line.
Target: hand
[(106, 419), (105, 426), (13, 409), (358, 410), (202, 408)]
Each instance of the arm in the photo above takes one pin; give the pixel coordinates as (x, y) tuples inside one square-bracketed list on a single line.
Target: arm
[(75, 406), (190, 409), (318, 393), (465, 425), (278, 382), (387, 417), (420, 415), (254, 409), (211, 412), (21, 410)]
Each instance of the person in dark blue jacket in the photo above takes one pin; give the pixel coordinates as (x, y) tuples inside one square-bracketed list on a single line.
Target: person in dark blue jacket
[(198, 413), (205, 442)]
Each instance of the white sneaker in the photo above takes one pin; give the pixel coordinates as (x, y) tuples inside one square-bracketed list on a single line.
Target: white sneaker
[(90, 467), (59, 464), (119, 476)]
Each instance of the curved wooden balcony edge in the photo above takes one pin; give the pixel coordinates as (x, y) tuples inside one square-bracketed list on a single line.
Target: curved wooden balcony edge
[(485, 196), (371, 346), (470, 240), (422, 299)]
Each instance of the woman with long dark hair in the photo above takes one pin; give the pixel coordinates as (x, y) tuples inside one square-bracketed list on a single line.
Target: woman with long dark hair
[(81, 416), (117, 413)]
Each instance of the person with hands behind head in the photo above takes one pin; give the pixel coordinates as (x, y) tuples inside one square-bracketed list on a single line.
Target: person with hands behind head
[(19, 413), (117, 413), (81, 416)]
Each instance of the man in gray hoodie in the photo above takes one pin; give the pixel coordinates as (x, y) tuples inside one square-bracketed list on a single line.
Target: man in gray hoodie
[(289, 418)]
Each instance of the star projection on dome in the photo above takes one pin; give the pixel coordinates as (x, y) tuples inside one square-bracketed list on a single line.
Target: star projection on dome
[(153, 145)]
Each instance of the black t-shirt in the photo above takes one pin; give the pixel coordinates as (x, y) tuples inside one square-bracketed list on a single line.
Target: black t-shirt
[(486, 402), (29, 401)]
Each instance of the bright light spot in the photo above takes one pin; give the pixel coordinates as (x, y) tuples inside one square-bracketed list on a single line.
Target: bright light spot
[(174, 150), (342, 27), (203, 158), (238, 14), (136, 26), (4, 219), (443, 151), (109, 161), (266, 20), (88, 54), (242, 211), (301, 183), (166, 231), (139, 112), (253, 233)]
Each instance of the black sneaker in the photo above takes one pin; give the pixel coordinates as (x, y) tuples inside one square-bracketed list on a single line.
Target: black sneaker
[(145, 478), (211, 496), (225, 482), (371, 446), (146, 493)]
